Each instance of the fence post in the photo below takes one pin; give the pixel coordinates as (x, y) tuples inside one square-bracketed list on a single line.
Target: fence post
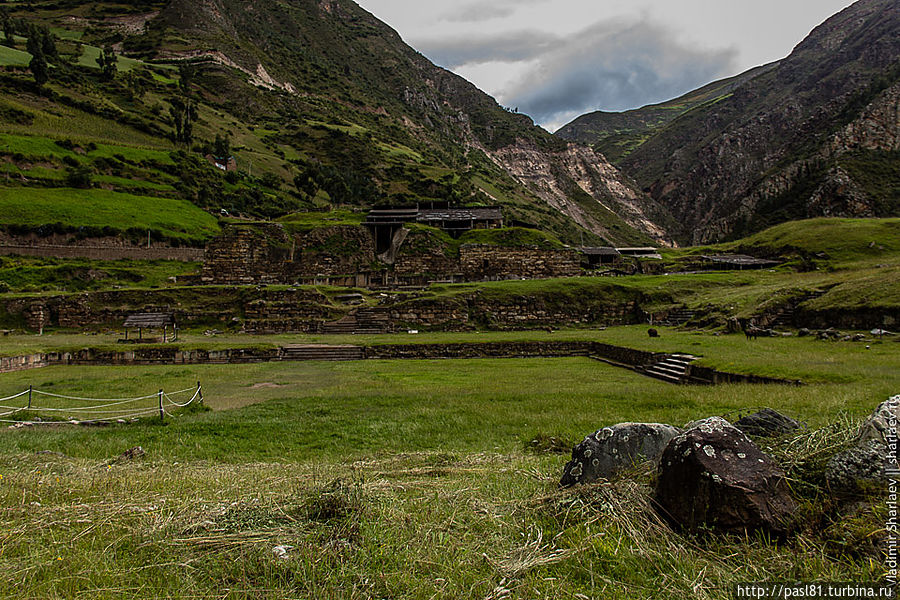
[(161, 418), (200, 392), (30, 389)]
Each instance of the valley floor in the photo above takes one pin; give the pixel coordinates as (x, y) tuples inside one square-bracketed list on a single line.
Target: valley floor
[(416, 479)]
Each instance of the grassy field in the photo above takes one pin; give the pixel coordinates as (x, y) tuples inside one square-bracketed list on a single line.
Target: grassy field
[(74, 208), (32, 274), (403, 479)]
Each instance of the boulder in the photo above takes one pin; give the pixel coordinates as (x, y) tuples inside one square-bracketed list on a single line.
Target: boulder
[(613, 449), (766, 423), (712, 475), (873, 457), (653, 333)]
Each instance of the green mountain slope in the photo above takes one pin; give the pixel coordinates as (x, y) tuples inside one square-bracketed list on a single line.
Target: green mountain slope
[(321, 104), (816, 134), (618, 134)]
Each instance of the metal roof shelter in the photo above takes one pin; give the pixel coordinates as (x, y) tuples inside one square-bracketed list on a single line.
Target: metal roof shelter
[(600, 255), (738, 261), (141, 321)]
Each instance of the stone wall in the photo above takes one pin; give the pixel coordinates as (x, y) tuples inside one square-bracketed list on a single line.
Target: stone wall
[(260, 309), (250, 253), (483, 262), (337, 250), (104, 253)]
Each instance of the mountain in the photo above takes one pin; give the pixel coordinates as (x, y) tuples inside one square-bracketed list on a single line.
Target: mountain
[(321, 104), (816, 134), (616, 134)]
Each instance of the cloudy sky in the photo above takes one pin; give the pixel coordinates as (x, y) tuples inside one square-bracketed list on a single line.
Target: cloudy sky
[(557, 59)]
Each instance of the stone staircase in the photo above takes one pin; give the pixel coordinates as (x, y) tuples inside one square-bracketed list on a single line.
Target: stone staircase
[(678, 317), (785, 317), (672, 368), (359, 322), (319, 352)]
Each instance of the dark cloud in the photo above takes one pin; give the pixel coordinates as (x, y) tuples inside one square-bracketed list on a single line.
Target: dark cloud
[(614, 66), (483, 11), (611, 65), (515, 46)]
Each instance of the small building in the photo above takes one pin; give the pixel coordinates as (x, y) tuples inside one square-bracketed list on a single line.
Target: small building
[(595, 256), (150, 322), (223, 163)]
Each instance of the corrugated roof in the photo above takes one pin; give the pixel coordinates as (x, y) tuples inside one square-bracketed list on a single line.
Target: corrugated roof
[(460, 214), (738, 259), (150, 320), (600, 251)]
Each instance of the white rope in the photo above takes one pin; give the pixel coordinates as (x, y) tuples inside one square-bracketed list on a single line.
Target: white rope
[(190, 389), (173, 403), (69, 421), (119, 400), (19, 395), (104, 408), (96, 407)]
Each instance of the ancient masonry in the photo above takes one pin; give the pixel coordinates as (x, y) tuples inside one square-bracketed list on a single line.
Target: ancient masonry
[(265, 253)]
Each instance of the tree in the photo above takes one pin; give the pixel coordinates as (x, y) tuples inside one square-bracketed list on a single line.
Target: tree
[(186, 74), (38, 65), (48, 44), (184, 113), (108, 62), (222, 146), (9, 27)]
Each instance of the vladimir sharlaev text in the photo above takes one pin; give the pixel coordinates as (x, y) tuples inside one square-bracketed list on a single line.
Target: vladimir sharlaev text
[(892, 470)]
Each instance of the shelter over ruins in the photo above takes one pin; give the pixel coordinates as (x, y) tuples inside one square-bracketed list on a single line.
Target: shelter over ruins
[(384, 222), (151, 321), (737, 261)]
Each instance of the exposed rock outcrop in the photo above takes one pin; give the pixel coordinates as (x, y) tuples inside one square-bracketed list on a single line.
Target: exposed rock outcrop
[(613, 449), (560, 178), (712, 475), (766, 423), (874, 456)]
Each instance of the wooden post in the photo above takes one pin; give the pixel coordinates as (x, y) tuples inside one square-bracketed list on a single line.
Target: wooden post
[(161, 413), (200, 392), (30, 389)]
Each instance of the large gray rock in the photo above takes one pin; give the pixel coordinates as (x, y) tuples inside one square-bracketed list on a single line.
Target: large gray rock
[(613, 449), (712, 475), (766, 423), (874, 456)]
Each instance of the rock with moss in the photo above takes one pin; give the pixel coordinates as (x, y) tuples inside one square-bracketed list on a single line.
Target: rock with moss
[(767, 423), (713, 476), (873, 458), (611, 450)]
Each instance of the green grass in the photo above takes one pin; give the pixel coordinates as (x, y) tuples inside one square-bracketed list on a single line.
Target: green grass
[(90, 54), (10, 57), (511, 237), (32, 274), (75, 208), (402, 479), (307, 221)]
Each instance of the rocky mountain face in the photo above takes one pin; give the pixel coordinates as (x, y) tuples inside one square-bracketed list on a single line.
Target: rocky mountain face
[(330, 58), (615, 135), (816, 134)]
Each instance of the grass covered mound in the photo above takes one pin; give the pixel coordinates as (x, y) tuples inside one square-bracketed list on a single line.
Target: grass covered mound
[(74, 210)]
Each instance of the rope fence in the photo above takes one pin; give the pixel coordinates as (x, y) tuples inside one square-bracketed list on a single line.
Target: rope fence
[(98, 410)]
